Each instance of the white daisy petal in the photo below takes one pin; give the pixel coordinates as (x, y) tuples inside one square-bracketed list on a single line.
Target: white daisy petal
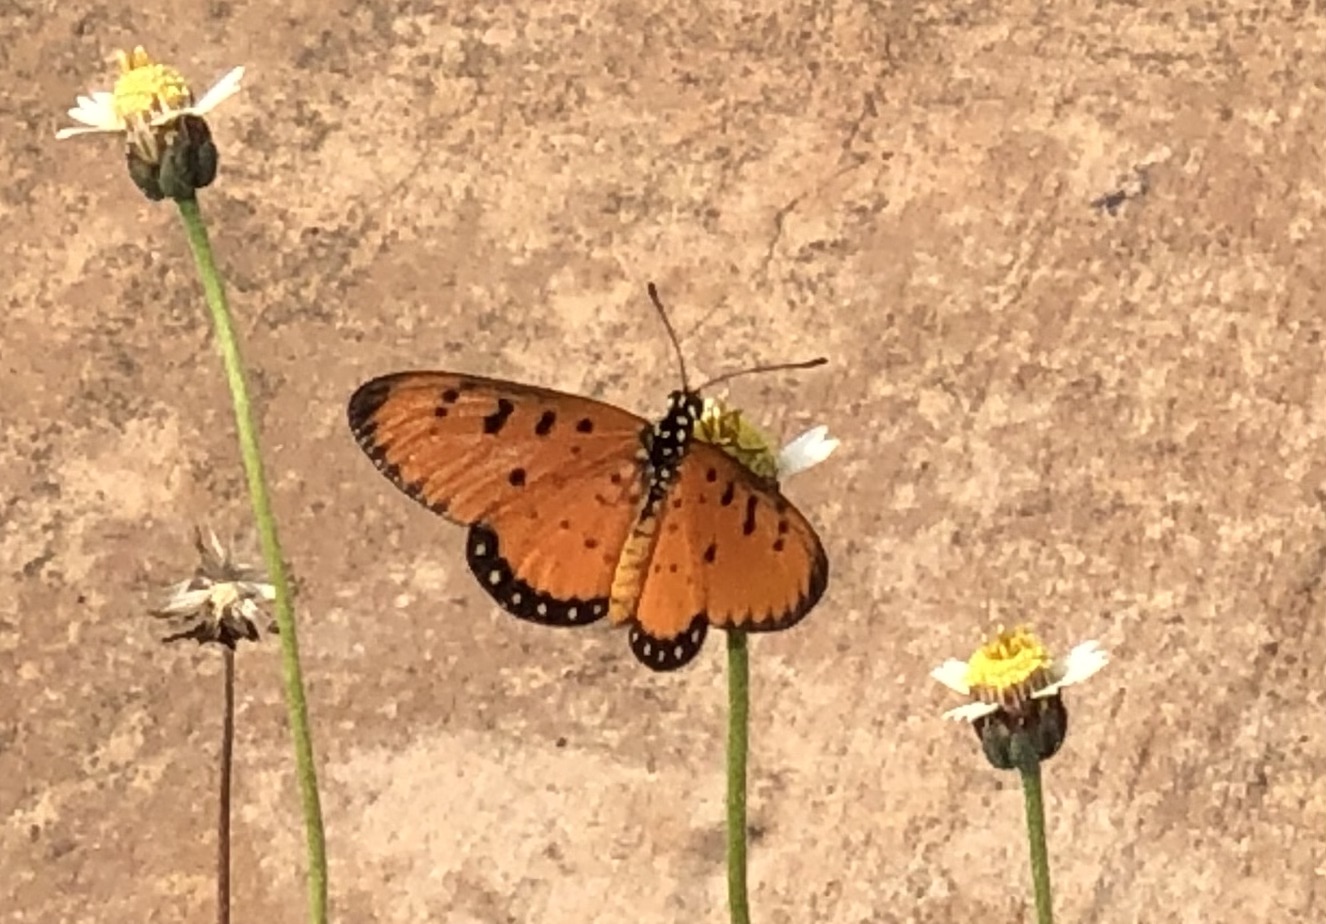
[(953, 674), (225, 88), (99, 102), (807, 450), (1082, 662), (970, 712), (95, 117), (86, 116), (71, 132)]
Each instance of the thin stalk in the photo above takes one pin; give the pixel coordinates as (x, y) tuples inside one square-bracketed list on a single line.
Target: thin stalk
[(223, 813), (1040, 858), (271, 552), (738, 729)]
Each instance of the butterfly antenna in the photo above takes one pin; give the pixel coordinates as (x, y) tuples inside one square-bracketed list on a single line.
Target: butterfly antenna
[(672, 333), (774, 367)]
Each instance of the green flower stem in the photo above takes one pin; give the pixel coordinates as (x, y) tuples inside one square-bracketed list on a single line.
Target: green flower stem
[(1030, 768), (738, 695), (271, 553)]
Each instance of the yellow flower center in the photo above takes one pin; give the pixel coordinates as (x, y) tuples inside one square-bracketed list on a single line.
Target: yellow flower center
[(146, 89), (1009, 668), (736, 436)]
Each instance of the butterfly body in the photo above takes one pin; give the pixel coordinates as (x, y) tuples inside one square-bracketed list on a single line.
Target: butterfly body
[(578, 509)]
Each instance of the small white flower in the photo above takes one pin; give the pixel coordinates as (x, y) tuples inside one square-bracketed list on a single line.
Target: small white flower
[(729, 430), (147, 98), (1011, 669), (807, 450)]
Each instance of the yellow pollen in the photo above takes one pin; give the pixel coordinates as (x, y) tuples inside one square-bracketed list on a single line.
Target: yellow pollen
[(736, 436), (1008, 668), (146, 89)]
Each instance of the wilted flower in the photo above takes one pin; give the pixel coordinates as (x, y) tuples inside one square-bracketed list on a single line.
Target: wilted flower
[(1015, 687), (168, 143), (731, 432), (222, 601)]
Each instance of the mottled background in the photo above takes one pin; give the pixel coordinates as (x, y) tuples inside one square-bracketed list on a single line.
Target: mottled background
[(1108, 424)]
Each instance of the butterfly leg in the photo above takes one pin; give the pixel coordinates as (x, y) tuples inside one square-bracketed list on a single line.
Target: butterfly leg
[(668, 654), (516, 596)]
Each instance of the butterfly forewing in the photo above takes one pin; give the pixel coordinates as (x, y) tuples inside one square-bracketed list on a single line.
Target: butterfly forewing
[(550, 483), (730, 548)]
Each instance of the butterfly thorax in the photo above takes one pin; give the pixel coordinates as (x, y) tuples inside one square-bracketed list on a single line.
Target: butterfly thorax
[(666, 443)]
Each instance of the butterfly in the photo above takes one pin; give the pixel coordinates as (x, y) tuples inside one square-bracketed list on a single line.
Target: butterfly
[(578, 509)]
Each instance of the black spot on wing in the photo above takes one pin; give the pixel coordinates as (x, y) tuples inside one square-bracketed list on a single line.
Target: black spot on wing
[(484, 555), (748, 524), (494, 422), (669, 654), (546, 421)]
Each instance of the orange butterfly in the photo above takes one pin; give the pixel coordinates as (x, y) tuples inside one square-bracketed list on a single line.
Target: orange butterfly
[(578, 509)]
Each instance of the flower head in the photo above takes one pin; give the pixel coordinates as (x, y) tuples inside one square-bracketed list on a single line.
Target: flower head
[(221, 602), (731, 432), (1015, 684), (153, 107)]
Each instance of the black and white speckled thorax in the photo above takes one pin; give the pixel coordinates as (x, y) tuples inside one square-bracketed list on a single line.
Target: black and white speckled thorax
[(667, 441)]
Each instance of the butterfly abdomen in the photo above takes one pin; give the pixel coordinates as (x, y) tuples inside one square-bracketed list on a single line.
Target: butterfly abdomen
[(629, 578)]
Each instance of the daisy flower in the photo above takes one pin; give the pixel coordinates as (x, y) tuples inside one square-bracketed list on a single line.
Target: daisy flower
[(152, 106), (731, 432), (146, 96), (1014, 685)]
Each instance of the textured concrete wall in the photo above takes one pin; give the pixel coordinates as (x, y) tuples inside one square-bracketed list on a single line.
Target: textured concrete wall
[(1110, 425)]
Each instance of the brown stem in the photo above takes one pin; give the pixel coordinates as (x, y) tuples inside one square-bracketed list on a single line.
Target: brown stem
[(223, 814)]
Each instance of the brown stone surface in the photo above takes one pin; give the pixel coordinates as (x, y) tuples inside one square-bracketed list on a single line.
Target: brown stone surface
[(1110, 425)]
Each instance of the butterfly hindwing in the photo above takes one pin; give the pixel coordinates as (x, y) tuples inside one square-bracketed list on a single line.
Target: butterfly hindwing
[(549, 483), (732, 552)]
